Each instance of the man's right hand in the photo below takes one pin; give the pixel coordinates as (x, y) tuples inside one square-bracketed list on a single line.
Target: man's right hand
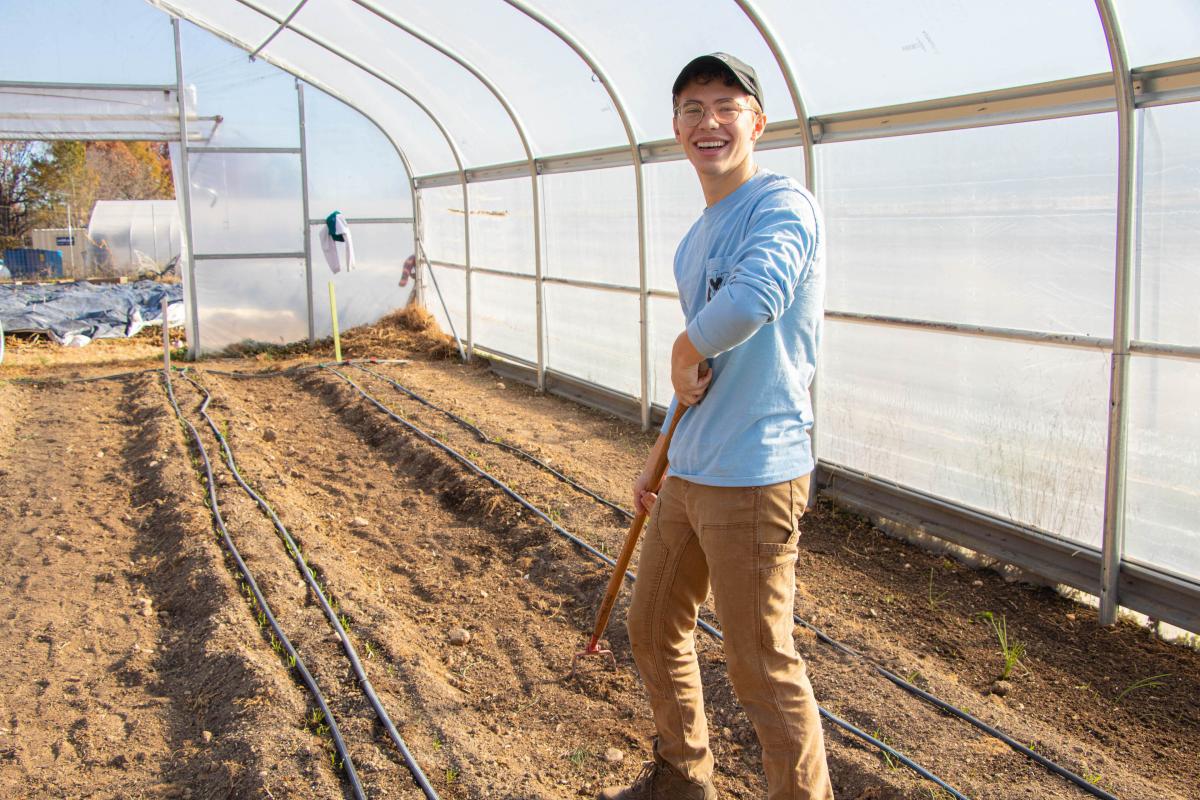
[(643, 498)]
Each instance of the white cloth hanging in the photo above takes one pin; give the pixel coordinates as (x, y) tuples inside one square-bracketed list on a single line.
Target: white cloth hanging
[(337, 245)]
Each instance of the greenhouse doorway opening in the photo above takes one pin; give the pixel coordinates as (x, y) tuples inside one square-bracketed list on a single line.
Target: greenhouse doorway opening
[(90, 230)]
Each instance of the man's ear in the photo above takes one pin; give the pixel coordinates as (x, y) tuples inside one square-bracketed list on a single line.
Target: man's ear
[(760, 125), (675, 128)]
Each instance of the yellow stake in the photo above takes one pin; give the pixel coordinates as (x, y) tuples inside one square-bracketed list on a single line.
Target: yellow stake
[(337, 343)]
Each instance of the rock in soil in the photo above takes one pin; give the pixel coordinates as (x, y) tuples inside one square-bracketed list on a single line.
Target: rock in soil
[(459, 636)]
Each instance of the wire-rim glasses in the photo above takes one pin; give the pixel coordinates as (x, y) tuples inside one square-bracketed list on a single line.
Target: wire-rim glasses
[(692, 114)]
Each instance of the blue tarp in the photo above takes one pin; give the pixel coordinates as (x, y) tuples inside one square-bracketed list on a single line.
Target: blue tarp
[(76, 313)]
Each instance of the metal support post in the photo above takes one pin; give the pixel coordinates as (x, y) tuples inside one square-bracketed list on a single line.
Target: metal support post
[(538, 277), (467, 278), (189, 266), (1113, 545), (308, 271)]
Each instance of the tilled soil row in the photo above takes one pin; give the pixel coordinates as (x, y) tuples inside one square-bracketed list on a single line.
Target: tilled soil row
[(245, 733), (922, 615), (130, 674), (302, 620)]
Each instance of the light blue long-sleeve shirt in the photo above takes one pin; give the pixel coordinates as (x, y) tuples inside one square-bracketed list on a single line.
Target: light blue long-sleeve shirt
[(751, 278)]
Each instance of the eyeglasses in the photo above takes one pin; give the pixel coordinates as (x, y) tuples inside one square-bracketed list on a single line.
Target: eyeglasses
[(692, 114)]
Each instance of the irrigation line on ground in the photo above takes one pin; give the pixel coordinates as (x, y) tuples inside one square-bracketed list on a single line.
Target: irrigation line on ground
[(232, 374), (330, 615), (279, 373), (483, 437), (311, 683), (593, 551), (63, 381), (823, 637)]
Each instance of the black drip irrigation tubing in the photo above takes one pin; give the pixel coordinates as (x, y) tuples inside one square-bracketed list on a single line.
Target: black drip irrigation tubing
[(302, 367), (484, 438), (706, 627), (272, 374), (294, 549), (825, 638), (334, 732), (57, 381)]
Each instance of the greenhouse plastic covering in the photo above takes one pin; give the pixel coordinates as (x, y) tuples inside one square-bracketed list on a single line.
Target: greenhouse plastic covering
[(990, 215)]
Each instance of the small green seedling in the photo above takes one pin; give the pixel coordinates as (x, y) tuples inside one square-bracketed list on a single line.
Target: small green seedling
[(1151, 682), (934, 600), (451, 774), (1012, 650), (888, 758), (579, 756)]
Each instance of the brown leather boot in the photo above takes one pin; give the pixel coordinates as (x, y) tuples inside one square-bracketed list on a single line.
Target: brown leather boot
[(658, 780)]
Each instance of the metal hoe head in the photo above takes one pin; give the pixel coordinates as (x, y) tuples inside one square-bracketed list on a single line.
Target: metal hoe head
[(593, 649)]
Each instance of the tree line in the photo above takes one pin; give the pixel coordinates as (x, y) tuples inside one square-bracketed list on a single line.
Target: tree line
[(41, 183)]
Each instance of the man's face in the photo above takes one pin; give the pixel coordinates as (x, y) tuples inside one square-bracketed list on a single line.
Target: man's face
[(717, 149)]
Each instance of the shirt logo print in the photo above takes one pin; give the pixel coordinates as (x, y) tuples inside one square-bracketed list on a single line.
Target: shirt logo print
[(714, 286)]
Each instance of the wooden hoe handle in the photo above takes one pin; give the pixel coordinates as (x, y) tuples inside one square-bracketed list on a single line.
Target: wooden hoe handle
[(631, 539)]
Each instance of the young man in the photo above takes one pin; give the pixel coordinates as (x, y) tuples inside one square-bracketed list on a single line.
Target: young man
[(751, 280)]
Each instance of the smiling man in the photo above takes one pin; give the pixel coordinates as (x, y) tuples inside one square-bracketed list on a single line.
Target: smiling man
[(751, 275)]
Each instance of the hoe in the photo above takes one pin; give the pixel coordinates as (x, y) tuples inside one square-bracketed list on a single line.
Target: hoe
[(631, 539)]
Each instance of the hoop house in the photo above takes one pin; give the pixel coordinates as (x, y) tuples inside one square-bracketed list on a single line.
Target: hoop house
[(127, 236), (1011, 350)]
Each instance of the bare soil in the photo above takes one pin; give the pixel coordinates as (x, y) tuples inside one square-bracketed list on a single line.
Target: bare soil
[(137, 667)]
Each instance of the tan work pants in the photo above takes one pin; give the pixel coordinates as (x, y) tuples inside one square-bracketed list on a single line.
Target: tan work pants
[(742, 541)]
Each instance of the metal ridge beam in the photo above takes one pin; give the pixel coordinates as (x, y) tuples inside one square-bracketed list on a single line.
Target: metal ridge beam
[(986, 331), (1160, 84), (115, 87)]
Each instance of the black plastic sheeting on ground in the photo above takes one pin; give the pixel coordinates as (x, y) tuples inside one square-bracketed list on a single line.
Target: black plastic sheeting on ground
[(76, 313)]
